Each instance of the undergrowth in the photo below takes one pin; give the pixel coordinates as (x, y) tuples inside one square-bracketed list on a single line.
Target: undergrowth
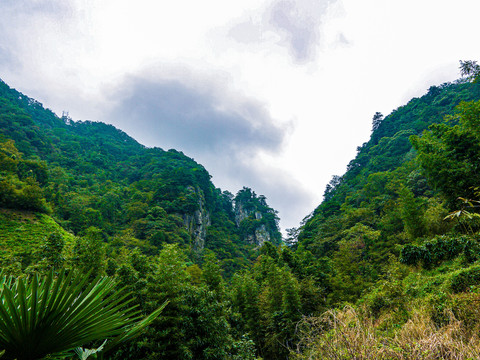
[(350, 333)]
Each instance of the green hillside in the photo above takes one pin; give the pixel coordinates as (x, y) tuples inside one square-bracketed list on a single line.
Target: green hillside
[(22, 235), (399, 231), (89, 174)]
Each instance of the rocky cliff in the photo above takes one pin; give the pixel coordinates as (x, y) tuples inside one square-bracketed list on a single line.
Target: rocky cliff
[(257, 222), (197, 222)]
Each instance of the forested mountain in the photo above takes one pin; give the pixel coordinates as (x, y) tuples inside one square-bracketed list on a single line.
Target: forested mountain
[(387, 197), (386, 267), (89, 174)]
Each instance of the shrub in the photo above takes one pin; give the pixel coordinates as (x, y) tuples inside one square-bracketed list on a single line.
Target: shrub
[(466, 278), (439, 249)]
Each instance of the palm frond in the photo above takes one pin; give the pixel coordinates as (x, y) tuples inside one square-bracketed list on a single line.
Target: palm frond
[(56, 314)]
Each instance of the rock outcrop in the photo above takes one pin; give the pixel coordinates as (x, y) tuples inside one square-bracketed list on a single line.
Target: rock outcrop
[(198, 222), (251, 216)]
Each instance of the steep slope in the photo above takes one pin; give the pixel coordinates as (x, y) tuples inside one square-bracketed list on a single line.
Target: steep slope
[(384, 200)]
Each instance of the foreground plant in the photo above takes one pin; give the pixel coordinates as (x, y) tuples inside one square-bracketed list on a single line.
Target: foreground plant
[(53, 315)]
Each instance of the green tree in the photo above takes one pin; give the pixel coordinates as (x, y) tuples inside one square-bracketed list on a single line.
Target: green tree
[(376, 121), (244, 294), (51, 253), (412, 213), (206, 328), (212, 274), (470, 69), (89, 252), (169, 281)]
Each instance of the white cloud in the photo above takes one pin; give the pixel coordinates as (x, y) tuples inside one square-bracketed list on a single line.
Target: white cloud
[(299, 24), (294, 24)]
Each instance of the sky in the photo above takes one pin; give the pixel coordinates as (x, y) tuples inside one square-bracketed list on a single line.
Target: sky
[(275, 95)]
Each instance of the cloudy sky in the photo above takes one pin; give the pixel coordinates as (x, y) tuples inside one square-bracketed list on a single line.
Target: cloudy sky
[(271, 94)]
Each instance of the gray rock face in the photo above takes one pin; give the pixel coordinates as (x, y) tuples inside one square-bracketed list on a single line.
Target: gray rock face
[(240, 213), (198, 222), (260, 234)]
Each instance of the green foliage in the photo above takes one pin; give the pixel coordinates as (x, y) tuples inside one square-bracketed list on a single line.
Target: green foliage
[(194, 325), (470, 69), (440, 248), (212, 274), (49, 316), (353, 273), (449, 153), (20, 180), (22, 237), (206, 329), (51, 255), (389, 292), (89, 252), (268, 302), (244, 349), (465, 279), (411, 213)]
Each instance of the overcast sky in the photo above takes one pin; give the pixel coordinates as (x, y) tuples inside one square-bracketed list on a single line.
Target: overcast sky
[(275, 95)]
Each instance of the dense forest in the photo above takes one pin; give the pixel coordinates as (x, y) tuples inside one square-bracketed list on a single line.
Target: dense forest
[(386, 267)]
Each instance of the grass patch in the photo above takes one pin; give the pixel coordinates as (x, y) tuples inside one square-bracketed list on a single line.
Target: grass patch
[(24, 231)]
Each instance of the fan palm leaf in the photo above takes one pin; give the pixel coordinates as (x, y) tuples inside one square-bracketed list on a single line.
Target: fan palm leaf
[(52, 315)]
